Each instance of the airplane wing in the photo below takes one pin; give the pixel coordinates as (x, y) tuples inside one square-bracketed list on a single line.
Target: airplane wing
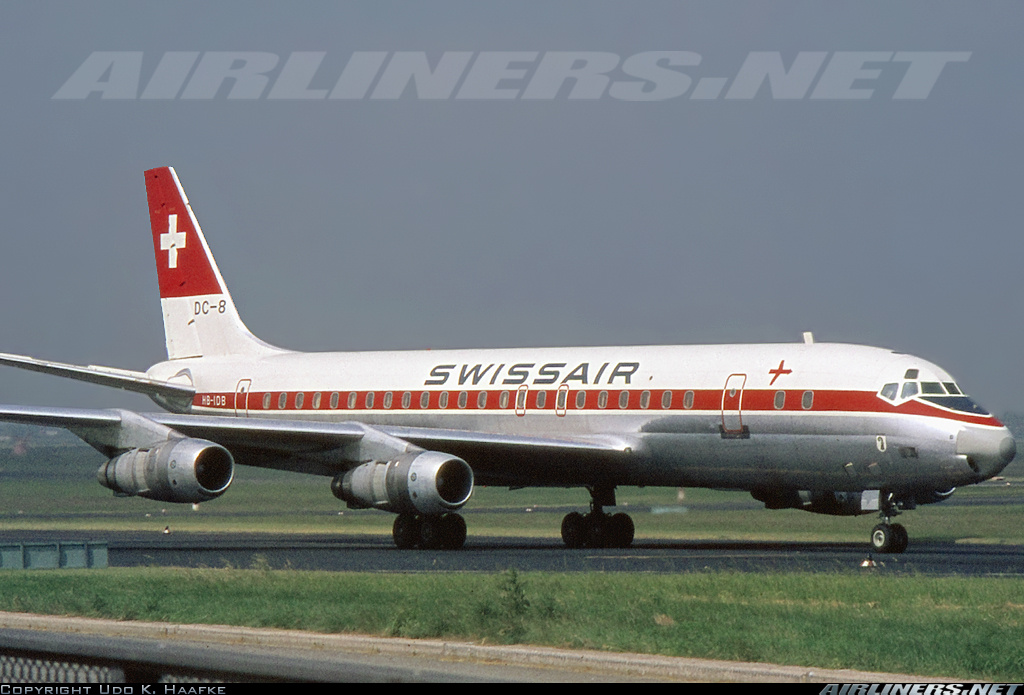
[(329, 448)]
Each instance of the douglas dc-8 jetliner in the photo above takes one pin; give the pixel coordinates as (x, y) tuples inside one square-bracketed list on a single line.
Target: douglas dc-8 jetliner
[(828, 428)]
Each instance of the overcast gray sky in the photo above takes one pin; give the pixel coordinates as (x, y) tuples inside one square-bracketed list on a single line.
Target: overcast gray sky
[(411, 222)]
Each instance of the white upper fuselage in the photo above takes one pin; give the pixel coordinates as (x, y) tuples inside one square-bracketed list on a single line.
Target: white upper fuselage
[(692, 410)]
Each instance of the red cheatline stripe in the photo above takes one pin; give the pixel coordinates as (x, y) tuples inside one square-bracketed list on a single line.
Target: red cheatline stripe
[(753, 401)]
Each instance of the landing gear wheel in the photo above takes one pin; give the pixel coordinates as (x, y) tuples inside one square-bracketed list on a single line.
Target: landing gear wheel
[(574, 529), (620, 531), (886, 538), (406, 531), (453, 531), (902, 538), (882, 538), (431, 533)]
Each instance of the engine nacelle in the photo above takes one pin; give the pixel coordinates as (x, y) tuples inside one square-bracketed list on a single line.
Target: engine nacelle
[(428, 482), (181, 470)]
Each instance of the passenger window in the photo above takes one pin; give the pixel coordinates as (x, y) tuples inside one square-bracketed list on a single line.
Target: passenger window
[(481, 400), (387, 400), (442, 400), (424, 400), (688, 400), (645, 399), (463, 399), (909, 389), (890, 391), (780, 400), (807, 400), (369, 399), (352, 399), (542, 398), (602, 399), (406, 399), (581, 400), (266, 400), (503, 400), (335, 399), (299, 398), (282, 401), (666, 400), (316, 401), (624, 399)]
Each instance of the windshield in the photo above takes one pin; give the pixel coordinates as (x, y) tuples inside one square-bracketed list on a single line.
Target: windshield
[(945, 394)]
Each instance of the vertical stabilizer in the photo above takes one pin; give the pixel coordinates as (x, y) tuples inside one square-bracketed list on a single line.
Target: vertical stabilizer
[(200, 319)]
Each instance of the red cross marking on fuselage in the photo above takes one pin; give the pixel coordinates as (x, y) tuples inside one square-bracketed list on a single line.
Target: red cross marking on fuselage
[(779, 371)]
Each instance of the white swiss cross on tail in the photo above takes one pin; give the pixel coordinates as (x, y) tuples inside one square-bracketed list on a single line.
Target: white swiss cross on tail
[(172, 240)]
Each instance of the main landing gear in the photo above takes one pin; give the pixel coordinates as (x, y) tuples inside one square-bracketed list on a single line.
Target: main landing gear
[(447, 532), (597, 529), (887, 537)]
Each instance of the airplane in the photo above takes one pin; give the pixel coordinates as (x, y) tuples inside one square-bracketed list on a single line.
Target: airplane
[(828, 428)]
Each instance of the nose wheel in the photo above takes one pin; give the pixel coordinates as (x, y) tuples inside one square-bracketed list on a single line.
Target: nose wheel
[(889, 538)]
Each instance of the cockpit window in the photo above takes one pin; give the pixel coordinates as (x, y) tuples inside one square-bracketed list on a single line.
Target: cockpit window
[(911, 374), (932, 388), (890, 390), (909, 389), (952, 388)]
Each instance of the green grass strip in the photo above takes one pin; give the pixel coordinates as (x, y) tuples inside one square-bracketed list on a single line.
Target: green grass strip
[(956, 628)]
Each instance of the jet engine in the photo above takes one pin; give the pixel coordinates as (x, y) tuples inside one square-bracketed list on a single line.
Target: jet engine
[(180, 470), (425, 482)]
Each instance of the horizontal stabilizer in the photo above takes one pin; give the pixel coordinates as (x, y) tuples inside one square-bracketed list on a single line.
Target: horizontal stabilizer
[(164, 392)]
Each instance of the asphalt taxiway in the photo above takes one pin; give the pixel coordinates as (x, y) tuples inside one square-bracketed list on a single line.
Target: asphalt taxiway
[(376, 553)]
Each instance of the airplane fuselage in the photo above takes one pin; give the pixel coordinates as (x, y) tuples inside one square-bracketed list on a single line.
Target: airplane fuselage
[(755, 417)]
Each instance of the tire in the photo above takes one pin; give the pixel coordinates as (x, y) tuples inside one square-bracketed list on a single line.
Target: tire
[(573, 530), (883, 539), (406, 531), (620, 531), (431, 533), (453, 531), (902, 538)]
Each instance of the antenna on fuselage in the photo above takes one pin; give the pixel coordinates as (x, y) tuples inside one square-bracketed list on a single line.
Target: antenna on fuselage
[(808, 338)]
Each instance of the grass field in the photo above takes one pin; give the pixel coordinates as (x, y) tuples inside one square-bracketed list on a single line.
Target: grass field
[(955, 628)]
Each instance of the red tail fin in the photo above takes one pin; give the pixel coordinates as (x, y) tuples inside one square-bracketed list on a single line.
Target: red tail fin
[(183, 261), (199, 317)]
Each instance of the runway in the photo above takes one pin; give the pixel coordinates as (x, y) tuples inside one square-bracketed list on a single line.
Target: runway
[(376, 553)]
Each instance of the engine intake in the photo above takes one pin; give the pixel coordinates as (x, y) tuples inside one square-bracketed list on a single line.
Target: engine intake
[(428, 482), (183, 470)]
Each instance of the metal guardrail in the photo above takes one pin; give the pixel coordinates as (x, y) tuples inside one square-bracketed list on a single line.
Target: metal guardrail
[(34, 656), (54, 555)]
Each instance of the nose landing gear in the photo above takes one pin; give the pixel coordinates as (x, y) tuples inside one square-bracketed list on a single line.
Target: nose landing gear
[(887, 537)]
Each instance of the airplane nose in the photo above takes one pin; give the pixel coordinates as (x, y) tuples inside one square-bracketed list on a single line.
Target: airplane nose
[(987, 450)]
